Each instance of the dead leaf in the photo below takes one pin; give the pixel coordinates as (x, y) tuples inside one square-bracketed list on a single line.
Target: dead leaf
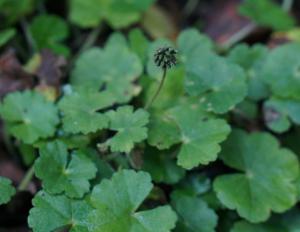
[(12, 75), (224, 24), (158, 23), (47, 67), (280, 38), (49, 71)]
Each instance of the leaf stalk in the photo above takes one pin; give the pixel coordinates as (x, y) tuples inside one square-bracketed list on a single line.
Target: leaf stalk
[(158, 90)]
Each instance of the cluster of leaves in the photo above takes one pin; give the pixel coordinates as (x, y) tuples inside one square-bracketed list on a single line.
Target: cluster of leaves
[(188, 163), (268, 14)]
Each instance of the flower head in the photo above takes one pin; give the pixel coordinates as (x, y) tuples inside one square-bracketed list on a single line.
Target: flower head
[(165, 57)]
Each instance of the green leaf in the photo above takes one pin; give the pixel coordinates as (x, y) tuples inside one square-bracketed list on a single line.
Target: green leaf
[(279, 113), (247, 109), (163, 131), (116, 200), (191, 43), (13, 10), (86, 13), (6, 190), (138, 43), (123, 13), (220, 83), (287, 222), (28, 153), (195, 184), (80, 110), (48, 31), (29, 116), (61, 171), (6, 35), (118, 13), (248, 56), (130, 127), (281, 71), (194, 214), (243, 226), (252, 60), (266, 181), (105, 169), (116, 39), (200, 135), (162, 166), (74, 141), (53, 213), (267, 13), (114, 67)]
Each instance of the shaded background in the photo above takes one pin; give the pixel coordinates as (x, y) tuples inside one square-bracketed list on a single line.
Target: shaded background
[(220, 19)]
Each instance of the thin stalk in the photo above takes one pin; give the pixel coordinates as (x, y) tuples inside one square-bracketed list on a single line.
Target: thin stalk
[(26, 180), (41, 7), (287, 5), (110, 157), (91, 39), (158, 90), (131, 161), (30, 41), (240, 35), (190, 6), (89, 42)]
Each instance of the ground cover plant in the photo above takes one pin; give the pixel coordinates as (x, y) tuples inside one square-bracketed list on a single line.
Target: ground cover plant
[(149, 116)]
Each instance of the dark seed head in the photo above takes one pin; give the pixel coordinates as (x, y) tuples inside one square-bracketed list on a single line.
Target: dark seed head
[(165, 57)]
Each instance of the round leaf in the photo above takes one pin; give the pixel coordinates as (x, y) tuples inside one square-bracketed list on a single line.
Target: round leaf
[(162, 166), (220, 83), (29, 116), (281, 71), (80, 110), (115, 67), (118, 13), (200, 135), (48, 31), (278, 114), (116, 200), (267, 178), (130, 127), (252, 60), (52, 213), (6, 190), (64, 172), (194, 214)]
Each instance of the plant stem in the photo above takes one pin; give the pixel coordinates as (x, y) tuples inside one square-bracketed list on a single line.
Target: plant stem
[(111, 156), (28, 36), (238, 36), (190, 6), (26, 180), (89, 42), (91, 39), (41, 7), (287, 5), (131, 161), (158, 90)]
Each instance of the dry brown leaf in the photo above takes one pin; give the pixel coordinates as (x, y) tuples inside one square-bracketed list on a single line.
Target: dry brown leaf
[(12, 75)]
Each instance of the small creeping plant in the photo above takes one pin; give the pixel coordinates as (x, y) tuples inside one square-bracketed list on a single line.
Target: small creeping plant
[(165, 58)]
